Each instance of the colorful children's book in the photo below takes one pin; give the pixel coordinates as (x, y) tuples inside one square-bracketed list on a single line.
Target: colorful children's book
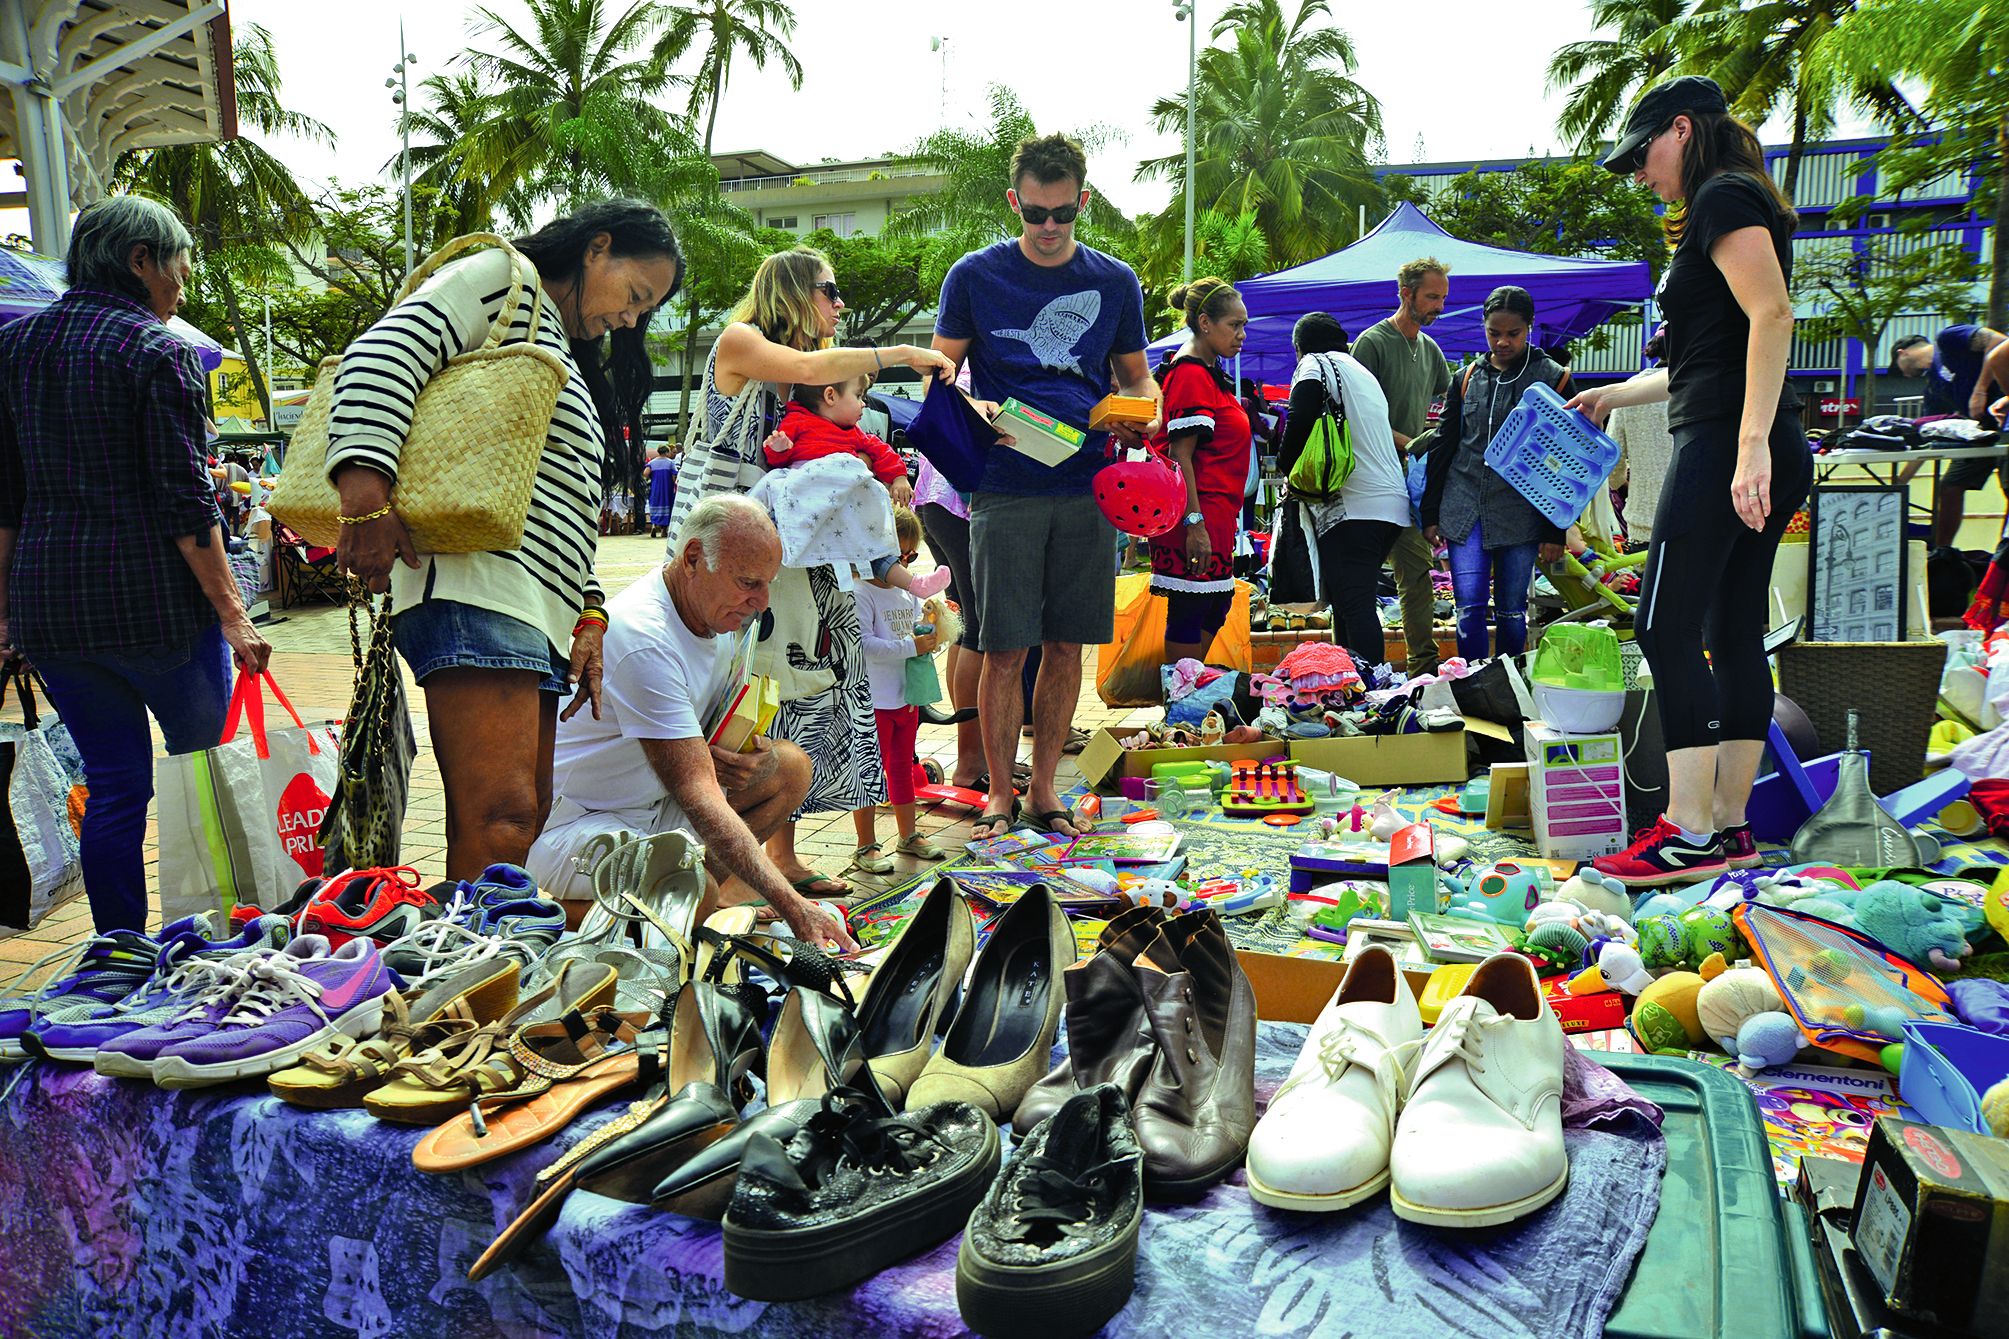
[(1000, 886), (1038, 434), (750, 712), (1455, 939), (1820, 1111)]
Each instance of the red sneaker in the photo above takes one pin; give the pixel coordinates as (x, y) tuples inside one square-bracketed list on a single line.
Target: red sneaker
[(1661, 855), (379, 904), (1740, 848), (244, 913)]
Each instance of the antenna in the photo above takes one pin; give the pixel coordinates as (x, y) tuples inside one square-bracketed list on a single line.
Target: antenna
[(941, 45)]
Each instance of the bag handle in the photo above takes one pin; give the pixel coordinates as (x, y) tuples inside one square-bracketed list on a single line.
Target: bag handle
[(21, 677), (522, 280), (248, 700)]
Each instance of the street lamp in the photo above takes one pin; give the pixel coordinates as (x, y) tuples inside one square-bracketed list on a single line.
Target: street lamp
[(400, 86), (1184, 10)]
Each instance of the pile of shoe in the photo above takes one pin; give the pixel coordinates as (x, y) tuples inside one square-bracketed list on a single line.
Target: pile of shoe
[(1463, 1126)]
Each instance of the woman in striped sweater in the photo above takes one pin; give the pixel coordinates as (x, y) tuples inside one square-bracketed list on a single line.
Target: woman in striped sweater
[(495, 639)]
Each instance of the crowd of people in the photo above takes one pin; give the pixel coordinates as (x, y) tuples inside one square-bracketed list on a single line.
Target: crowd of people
[(498, 642)]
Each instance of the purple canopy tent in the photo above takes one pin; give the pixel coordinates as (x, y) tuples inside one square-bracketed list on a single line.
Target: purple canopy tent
[(1357, 286), (29, 282)]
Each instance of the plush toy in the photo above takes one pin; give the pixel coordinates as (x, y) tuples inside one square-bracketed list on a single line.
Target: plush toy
[(1685, 940), (1155, 893), (1591, 924), (1743, 1012), (1664, 1018), (1556, 946), (1911, 923), (1769, 1039), (1595, 891), (1995, 1109), (1618, 967)]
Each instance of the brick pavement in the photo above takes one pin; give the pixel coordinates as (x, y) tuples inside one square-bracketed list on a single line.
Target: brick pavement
[(312, 662)]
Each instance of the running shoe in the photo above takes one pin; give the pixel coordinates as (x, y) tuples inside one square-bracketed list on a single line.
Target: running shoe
[(189, 964), (294, 1001), (132, 1055), (1661, 855), (102, 970), (244, 913), (505, 902), (1740, 848), (378, 904)]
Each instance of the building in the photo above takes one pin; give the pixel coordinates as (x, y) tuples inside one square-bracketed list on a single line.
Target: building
[(1831, 171)]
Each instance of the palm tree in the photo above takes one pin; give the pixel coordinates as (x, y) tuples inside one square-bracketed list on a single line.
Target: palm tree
[(234, 195), (1958, 50), (455, 114), (1604, 73), (1283, 131), (757, 27)]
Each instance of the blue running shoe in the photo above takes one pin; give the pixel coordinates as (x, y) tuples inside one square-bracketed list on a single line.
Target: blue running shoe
[(102, 970), (189, 964)]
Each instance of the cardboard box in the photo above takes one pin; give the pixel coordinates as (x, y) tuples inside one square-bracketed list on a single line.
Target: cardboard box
[(1104, 761), (1931, 1224), (1824, 1190), (1388, 760), (1576, 792), (1294, 990), (1599, 1011), (1137, 409)]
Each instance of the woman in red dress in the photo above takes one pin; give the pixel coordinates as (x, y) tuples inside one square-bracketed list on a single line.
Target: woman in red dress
[(1207, 433)]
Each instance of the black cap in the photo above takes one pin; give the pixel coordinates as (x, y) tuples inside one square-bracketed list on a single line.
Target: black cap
[(1655, 108)]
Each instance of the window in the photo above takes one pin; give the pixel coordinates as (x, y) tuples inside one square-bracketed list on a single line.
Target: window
[(841, 224), (789, 221)]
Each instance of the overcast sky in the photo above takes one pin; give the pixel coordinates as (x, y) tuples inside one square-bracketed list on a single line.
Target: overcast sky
[(1464, 76)]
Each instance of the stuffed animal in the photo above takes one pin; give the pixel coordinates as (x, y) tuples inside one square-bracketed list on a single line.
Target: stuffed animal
[(1995, 1109), (1596, 891), (1155, 893), (1908, 921), (1664, 1017), (1685, 940), (1591, 924), (1768, 1039), (1743, 1012), (1618, 967), (1556, 946)]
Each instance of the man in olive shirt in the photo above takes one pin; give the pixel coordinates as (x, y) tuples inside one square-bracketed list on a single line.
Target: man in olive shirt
[(1412, 373)]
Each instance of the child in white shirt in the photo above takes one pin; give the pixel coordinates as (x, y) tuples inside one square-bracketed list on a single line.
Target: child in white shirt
[(887, 617)]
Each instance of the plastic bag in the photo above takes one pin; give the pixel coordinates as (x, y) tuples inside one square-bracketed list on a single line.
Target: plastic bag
[(1579, 655), (1127, 667)]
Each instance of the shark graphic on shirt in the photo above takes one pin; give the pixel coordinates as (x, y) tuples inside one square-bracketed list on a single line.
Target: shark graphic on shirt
[(1057, 329)]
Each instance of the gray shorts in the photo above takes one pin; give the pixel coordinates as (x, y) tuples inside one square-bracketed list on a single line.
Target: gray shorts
[(1044, 569)]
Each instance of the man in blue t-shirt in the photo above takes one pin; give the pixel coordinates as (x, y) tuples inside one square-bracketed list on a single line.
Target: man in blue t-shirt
[(1951, 366), (1057, 326)]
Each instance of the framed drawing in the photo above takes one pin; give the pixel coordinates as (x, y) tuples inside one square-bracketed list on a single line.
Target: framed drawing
[(1855, 564)]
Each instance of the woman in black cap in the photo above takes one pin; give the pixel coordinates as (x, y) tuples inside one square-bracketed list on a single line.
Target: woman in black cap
[(1741, 469), (1493, 533)]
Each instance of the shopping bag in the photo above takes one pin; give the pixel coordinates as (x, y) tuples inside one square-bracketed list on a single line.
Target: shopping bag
[(952, 435), (924, 685), (1127, 667), (794, 644), (239, 822), (40, 865), (1293, 555), (365, 822)]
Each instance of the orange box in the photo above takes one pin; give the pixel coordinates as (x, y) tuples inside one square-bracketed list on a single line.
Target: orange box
[(1138, 409)]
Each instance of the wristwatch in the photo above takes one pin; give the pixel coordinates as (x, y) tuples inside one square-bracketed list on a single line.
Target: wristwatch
[(1194, 518)]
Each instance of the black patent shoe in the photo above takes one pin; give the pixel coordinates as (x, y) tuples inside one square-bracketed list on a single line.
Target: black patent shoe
[(852, 1192)]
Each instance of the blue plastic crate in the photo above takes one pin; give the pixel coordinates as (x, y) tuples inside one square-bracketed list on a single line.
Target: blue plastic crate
[(1555, 458), (1946, 1069)]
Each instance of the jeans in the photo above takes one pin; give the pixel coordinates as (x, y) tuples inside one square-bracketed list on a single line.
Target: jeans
[(1350, 556), (104, 698), (1507, 572)]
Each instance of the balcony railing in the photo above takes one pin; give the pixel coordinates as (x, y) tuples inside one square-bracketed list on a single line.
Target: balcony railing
[(819, 176)]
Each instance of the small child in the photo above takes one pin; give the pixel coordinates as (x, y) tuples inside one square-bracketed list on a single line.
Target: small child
[(886, 617), (823, 421)]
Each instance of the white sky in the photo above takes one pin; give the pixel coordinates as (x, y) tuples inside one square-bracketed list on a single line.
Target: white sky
[(1464, 75)]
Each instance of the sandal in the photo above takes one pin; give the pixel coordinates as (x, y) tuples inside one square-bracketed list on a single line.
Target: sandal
[(920, 848), (807, 885), (870, 859), (1045, 822), (1000, 824)]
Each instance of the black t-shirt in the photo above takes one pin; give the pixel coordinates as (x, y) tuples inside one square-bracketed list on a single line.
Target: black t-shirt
[(1708, 335)]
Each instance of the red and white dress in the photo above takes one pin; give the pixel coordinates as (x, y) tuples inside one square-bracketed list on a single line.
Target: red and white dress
[(1200, 399)]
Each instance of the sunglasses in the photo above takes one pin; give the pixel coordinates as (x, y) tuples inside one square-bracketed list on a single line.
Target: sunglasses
[(1038, 214), (1637, 159), (829, 289)]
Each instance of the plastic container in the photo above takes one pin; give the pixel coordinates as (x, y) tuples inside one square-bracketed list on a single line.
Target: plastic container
[(1554, 458), (1579, 711), (1946, 1069), (1727, 1255)]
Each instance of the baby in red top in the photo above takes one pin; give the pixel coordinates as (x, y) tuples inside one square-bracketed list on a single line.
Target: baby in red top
[(823, 421)]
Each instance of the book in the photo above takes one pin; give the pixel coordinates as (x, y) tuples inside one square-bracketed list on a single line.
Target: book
[(1038, 434), (748, 714), (1138, 409), (1000, 886), (1456, 939), (1816, 1111), (1395, 936)]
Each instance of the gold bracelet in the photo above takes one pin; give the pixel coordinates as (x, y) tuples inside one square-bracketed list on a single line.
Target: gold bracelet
[(376, 515)]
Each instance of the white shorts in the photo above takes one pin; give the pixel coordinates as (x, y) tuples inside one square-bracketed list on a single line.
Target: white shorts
[(576, 839)]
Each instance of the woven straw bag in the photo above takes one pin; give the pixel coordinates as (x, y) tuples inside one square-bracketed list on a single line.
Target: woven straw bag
[(467, 467)]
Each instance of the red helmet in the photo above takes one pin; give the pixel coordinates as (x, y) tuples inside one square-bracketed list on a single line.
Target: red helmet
[(1142, 492)]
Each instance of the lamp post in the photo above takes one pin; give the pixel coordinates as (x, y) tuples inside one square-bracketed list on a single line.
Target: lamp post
[(1183, 9), (400, 86)]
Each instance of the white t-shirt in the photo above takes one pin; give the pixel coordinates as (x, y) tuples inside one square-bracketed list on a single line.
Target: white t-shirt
[(1377, 489), (886, 617), (659, 680)]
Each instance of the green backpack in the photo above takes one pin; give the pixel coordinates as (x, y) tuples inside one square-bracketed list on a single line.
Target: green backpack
[(1326, 463)]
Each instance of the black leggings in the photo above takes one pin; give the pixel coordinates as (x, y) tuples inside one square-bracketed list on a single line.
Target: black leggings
[(1708, 581), (1350, 556)]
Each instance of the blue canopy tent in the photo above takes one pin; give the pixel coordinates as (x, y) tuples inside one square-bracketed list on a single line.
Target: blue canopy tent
[(1357, 285)]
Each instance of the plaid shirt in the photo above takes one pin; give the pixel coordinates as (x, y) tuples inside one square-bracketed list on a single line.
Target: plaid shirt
[(102, 468)]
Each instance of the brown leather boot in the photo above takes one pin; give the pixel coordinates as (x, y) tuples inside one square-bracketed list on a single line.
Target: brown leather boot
[(1107, 1038), (1197, 1106)]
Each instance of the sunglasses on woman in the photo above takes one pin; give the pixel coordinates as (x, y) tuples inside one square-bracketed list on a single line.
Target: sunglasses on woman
[(828, 288), (1038, 214), (1637, 160)]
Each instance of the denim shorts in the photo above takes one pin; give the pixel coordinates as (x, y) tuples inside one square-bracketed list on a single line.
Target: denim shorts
[(446, 634)]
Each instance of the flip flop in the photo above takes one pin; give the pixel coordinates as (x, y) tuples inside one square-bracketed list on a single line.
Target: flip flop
[(806, 886), (1001, 822), (1045, 822)]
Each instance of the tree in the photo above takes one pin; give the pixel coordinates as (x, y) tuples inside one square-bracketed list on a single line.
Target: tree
[(721, 248), (1281, 130), (883, 288), (1230, 248), (1604, 74), (234, 195), (456, 108), (1550, 208), (757, 27), (1958, 49), (1863, 289)]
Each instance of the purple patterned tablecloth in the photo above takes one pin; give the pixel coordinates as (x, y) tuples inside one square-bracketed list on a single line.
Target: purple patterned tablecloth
[(129, 1212)]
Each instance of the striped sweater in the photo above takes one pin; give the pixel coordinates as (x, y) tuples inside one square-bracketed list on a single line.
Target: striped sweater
[(547, 580)]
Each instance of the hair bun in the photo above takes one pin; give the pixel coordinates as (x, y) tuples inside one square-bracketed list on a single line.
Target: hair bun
[(1177, 297)]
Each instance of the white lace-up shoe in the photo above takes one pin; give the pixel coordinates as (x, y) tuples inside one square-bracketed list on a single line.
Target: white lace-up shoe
[(1324, 1142), (1480, 1139)]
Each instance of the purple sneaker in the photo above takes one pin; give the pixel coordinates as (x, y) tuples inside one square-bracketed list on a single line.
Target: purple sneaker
[(101, 971), (189, 964), (292, 1006), (132, 1055)]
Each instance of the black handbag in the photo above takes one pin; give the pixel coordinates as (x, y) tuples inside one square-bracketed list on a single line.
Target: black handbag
[(366, 815)]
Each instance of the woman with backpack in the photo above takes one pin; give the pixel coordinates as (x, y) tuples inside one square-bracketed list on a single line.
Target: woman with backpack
[(1493, 533), (1351, 488)]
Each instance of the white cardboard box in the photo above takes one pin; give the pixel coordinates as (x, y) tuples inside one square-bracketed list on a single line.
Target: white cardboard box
[(1576, 792)]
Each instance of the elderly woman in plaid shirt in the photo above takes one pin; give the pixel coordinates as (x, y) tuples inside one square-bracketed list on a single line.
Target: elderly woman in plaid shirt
[(113, 579)]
